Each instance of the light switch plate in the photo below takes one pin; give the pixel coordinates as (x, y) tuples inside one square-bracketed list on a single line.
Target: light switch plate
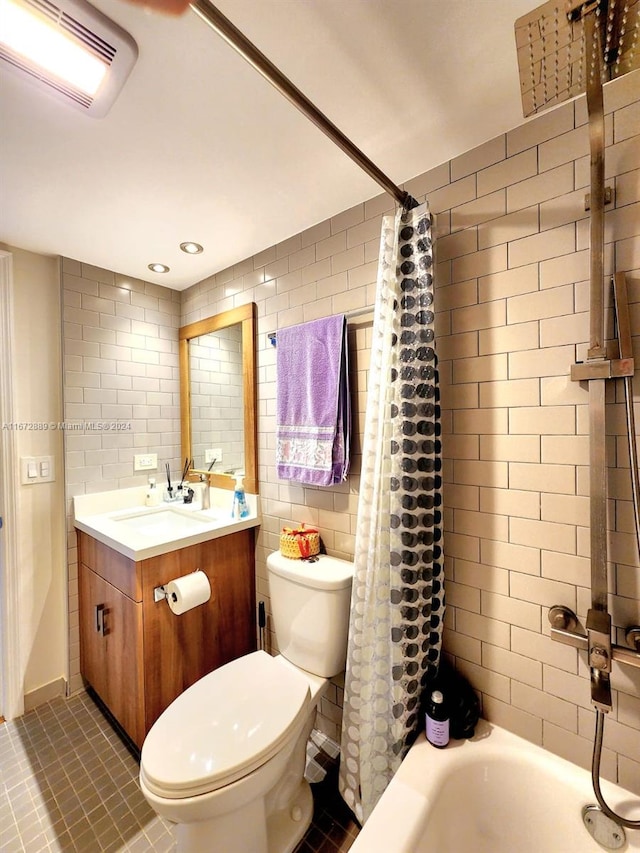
[(145, 461), (210, 455), (37, 469)]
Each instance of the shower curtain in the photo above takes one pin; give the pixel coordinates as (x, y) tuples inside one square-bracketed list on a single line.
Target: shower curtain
[(397, 603)]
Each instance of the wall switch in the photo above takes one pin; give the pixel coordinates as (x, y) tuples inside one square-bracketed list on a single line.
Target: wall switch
[(210, 455), (46, 469), (145, 462), (37, 469)]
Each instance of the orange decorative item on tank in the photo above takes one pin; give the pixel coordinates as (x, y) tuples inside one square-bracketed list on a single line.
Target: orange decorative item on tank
[(299, 543)]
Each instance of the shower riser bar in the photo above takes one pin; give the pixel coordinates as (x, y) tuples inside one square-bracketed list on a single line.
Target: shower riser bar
[(598, 368), (596, 40)]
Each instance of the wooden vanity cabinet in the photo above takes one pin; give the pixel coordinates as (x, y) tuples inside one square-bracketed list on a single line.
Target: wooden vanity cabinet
[(111, 648), (134, 652)]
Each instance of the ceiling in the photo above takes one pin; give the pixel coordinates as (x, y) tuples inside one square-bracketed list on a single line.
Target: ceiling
[(199, 147)]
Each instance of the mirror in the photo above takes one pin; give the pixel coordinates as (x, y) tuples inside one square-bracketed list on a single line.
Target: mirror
[(218, 397)]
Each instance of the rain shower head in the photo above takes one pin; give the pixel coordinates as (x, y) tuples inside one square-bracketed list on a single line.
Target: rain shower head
[(553, 58)]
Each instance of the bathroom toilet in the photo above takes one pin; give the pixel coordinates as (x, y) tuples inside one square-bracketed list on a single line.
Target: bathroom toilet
[(225, 761)]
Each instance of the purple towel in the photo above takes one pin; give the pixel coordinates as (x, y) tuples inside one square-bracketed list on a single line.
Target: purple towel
[(313, 402)]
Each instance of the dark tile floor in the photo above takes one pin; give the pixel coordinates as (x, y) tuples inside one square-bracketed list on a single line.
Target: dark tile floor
[(68, 783), (334, 828)]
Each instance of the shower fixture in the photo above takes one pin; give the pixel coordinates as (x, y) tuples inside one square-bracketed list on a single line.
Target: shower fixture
[(566, 48), (564, 43), (564, 629)]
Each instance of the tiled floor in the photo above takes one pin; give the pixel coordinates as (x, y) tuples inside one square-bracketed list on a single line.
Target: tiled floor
[(334, 828), (68, 783)]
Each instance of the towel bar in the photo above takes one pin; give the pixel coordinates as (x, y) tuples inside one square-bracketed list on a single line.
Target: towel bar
[(350, 315)]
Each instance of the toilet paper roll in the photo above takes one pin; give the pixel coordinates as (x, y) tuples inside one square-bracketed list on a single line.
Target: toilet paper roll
[(188, 592)]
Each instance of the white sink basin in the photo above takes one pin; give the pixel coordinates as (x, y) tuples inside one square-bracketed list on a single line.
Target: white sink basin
[(120, 520), (163, 521)]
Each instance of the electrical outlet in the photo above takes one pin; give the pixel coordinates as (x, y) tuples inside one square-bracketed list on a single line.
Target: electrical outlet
[(145, 462), (210, 455)]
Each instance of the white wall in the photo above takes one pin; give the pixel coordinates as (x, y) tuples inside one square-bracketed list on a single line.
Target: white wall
[(40, 528)]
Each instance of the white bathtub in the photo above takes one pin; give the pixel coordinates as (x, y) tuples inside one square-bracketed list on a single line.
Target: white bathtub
[(496, 793)]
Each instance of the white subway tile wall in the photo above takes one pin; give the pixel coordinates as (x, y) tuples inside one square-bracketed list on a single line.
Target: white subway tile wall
[(512, 298), (121, 393)]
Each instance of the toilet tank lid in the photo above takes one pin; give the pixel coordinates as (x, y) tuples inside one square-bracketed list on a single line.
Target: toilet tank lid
[(325, 573)]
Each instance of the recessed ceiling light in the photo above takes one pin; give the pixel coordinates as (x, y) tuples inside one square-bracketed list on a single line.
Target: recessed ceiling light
[(158, 268), (67, 47), (191, 248)]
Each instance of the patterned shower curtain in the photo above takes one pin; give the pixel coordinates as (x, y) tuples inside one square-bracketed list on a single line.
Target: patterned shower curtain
[(397, 604)]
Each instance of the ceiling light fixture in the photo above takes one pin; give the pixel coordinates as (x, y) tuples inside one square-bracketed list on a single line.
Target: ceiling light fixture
[(158, 268), (191, 248), (69, 48)]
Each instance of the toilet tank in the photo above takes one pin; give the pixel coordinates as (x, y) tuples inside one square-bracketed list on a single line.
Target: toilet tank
[(310, 605)]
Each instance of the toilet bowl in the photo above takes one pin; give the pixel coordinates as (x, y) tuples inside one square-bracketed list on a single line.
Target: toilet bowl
[(225, 761), (222, 746)]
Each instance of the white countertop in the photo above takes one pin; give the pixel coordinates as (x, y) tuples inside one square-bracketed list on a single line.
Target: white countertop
[(121, 520)]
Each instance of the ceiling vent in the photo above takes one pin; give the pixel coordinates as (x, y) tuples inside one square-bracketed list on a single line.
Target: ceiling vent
[(107, 50)]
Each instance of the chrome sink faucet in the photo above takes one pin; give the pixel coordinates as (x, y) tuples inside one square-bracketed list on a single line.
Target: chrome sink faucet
[(206, 497)]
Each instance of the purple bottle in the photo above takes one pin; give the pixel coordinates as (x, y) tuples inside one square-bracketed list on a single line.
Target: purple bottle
[(437, 720)]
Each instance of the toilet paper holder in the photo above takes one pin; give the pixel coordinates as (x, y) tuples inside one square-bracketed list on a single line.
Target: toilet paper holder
[(160, 593)]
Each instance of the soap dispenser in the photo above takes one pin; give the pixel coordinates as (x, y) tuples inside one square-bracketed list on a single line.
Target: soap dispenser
[(239, 508)]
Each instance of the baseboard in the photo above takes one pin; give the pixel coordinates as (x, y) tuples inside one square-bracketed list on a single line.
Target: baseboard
[(45, 694)]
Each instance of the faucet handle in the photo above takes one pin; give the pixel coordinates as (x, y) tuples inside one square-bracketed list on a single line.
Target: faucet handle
[(560, 617), (632, 636)]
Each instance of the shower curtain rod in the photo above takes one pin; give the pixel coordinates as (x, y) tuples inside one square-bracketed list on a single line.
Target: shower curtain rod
[(232, 35)]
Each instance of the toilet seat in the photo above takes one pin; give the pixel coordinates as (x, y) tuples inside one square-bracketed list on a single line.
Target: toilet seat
[(224, 726)]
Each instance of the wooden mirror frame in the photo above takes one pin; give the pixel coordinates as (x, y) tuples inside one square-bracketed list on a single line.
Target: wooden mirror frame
[(246, 315)]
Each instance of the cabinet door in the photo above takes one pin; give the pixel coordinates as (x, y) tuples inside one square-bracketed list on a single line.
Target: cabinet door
[(181, 649), (111, 650)]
